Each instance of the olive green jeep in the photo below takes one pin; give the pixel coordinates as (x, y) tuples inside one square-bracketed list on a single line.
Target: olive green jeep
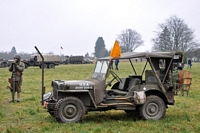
[(148, 93)]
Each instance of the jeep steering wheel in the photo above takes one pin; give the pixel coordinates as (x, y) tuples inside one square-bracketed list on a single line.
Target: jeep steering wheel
[(115, 76)]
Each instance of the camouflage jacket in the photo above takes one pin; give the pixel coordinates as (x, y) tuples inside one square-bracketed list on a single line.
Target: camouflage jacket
[(19, 68)]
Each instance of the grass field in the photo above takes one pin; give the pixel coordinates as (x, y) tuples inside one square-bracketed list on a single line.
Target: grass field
[(29, 115)]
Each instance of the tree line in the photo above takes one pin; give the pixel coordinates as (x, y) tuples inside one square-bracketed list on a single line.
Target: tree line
[(10, 55)]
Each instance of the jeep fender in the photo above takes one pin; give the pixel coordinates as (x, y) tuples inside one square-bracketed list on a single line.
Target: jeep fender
[(161, 95), (84, 95)]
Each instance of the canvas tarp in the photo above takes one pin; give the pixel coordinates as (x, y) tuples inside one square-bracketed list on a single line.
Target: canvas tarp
[(128, 55)]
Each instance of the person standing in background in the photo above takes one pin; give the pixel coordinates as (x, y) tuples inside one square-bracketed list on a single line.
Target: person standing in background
[(189, 63), (116, 64)]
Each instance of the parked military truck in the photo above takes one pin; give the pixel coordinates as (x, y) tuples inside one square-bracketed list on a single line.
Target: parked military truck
[(77, 60), (50, 61), (147, 93)]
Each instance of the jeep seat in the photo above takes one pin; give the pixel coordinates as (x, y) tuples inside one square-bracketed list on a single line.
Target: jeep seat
[(121, 90), (132, 83)]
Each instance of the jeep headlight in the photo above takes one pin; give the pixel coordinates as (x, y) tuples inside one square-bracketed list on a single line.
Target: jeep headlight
[(66, 87), (47, 96)]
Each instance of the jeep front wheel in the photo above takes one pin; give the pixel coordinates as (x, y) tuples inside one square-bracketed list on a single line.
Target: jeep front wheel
[(69, 109), (154, 108)]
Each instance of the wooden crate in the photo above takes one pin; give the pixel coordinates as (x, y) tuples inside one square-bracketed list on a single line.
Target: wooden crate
[(184, 81)]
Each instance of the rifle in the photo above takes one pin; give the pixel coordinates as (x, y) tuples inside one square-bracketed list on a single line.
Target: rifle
[(12, 81)]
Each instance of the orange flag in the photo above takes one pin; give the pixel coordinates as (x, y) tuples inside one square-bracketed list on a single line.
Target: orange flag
[(116, 51)]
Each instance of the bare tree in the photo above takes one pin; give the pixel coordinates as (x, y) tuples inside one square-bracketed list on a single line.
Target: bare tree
[(129, 40), (174, 35)]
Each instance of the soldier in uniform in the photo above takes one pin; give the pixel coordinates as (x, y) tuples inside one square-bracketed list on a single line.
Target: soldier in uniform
[(17, 74)]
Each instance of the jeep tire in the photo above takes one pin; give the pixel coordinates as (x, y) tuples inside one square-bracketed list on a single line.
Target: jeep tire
[(154, 108), (69, 109)]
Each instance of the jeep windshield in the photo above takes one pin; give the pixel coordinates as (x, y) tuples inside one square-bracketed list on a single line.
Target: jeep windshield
[(100, 69)]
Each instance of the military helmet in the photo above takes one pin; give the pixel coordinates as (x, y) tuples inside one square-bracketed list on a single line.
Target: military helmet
[(17, 56)]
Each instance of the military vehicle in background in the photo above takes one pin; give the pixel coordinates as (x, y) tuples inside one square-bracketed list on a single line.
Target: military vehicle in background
[(3, 63), (179, 60), (50, 61), (77, 60), (88, 61), (7, 63)]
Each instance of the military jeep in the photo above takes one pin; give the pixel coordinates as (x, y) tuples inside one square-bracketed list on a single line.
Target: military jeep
[(148, 93)]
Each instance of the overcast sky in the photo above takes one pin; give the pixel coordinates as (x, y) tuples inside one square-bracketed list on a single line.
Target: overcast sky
[(75, 25)]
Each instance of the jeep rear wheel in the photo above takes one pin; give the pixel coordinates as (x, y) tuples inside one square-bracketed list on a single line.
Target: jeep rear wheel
[(69, 109), (154, 108)]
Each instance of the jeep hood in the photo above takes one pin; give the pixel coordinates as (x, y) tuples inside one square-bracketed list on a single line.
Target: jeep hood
[(72, 84)]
